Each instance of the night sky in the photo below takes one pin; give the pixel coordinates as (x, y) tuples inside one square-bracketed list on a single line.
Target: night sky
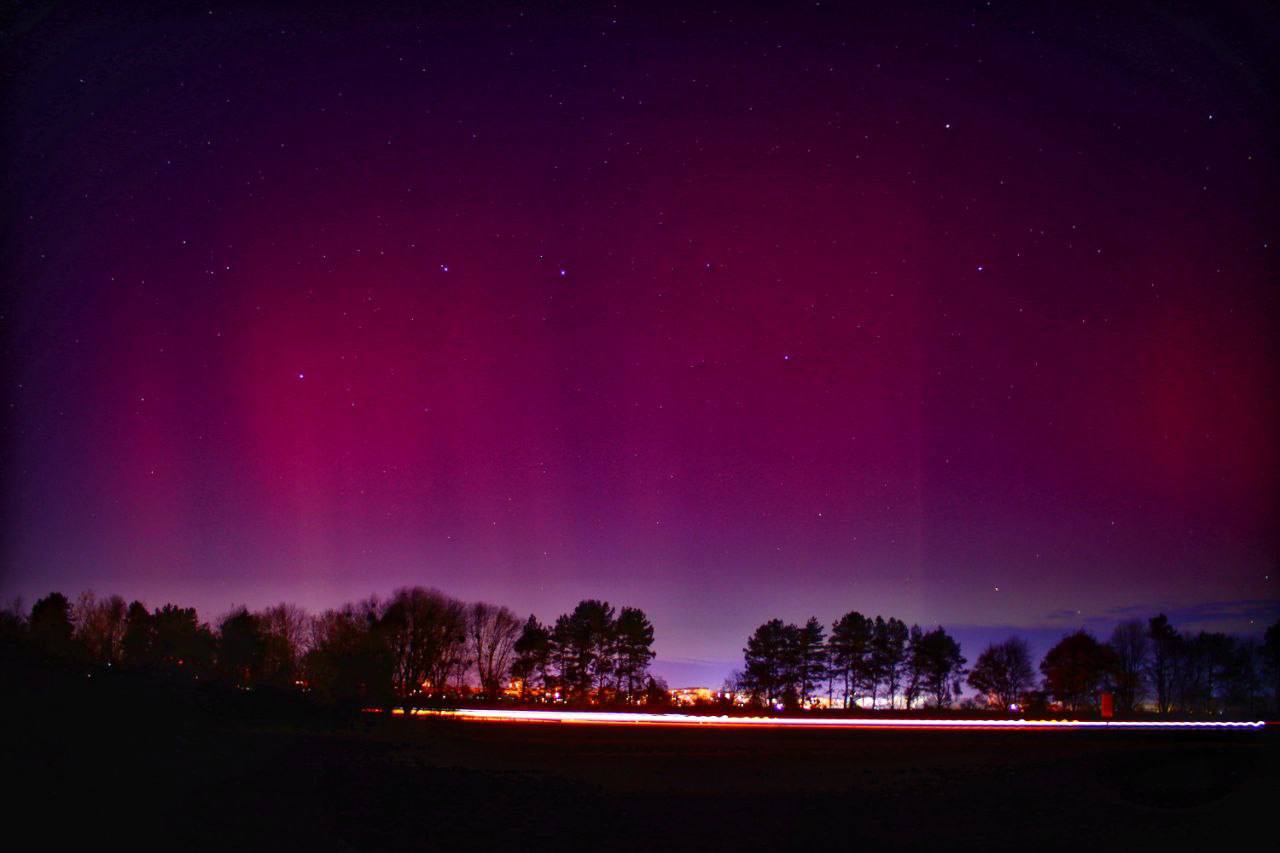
[(960, 313)]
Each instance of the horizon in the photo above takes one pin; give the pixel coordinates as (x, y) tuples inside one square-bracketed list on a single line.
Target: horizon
[(1240, 619)]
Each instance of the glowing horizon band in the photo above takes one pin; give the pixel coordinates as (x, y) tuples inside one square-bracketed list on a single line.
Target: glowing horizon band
[(640, 718)]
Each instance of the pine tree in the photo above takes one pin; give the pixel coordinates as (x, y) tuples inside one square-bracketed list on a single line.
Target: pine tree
[(533, 656), (632, 652), (849, 650), (811, 657)]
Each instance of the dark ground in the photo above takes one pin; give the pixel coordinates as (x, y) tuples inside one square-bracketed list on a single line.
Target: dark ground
[(179, 780)]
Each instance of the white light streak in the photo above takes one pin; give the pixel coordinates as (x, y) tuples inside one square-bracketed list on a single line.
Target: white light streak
[(498, 715)]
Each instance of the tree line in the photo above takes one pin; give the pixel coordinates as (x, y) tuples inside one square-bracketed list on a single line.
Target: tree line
[(881, 663), (1150, 665), (417, 646), (420, 646), (878, 660)]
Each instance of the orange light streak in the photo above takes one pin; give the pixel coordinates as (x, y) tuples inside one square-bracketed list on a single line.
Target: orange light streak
[(614, 718)]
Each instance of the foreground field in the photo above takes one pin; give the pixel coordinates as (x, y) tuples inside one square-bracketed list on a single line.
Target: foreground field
[(400, 783)]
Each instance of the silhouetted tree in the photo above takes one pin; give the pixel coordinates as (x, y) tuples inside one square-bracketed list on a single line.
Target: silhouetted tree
[(1243, 685), (138, 645), (1003, 671), (563, 672), (183, 641), (533, 656), (49, 627), (888, 654), (350, 662), (937, 660), (1166, 650), (426, 633), (241, 649), (492, 632), (914, 667), (735, 682), (99, 627), (1212, 668), (1076, 669), (632, 650), (454, 661), (1271, 660), (284, 629), (656, 693), (583, 642), (850, 652), (811, 658), (768, 673), (1132, 648), (13, 633)]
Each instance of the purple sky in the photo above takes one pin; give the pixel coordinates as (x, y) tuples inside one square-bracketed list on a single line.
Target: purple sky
[(961, 314)]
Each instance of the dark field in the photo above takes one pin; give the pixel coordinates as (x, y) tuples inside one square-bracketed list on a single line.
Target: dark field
[(387, 784)]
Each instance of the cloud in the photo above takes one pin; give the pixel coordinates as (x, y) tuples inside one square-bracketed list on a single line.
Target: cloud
[(1231, 615), (1062, 615), (1246, 611), (1243, 617)]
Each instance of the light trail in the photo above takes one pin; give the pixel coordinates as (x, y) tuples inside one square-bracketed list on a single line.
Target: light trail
[(615, 718)]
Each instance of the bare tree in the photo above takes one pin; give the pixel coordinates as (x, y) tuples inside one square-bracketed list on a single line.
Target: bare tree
[(492, 633), (425, 631), (1132, 649), (452, 661), (99, 626), (286, 630), (1003, 671), (349, 661), (1167, 647)]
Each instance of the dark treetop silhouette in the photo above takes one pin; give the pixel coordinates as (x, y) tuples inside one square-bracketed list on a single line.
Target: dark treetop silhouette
[(422, 647)]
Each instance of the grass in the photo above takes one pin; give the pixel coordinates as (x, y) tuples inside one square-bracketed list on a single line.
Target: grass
[(389, 784)]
